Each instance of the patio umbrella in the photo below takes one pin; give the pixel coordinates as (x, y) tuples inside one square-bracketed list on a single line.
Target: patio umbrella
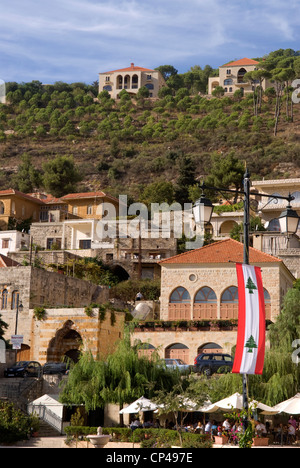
[(235, 402), (290, 406), (230, 403), (142, 404)]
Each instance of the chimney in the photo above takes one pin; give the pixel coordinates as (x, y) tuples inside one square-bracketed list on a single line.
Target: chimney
[(132, 65)]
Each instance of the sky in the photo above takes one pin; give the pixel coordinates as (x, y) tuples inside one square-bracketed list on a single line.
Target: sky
[(75, 40)]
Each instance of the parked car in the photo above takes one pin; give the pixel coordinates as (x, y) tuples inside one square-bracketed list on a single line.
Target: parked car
[(209, 363), (177, 364), (24, 369), (55, 368)]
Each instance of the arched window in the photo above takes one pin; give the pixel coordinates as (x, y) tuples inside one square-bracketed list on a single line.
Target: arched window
[(205, 304), (107, 88), (206, 294), (149, 85), (230, 303), (240, 76), (4, 299), (228, 82), (180, 295), (15, 299), (180, 304), (230, 295), (267, 304), (274, 225)]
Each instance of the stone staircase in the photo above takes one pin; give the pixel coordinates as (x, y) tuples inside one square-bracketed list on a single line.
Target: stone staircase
[(45, 430)]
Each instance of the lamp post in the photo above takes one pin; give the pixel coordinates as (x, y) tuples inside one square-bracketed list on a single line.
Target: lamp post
[(288, 220), (19, 308)]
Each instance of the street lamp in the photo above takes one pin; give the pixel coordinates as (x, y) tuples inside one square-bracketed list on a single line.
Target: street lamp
[(289, 221)]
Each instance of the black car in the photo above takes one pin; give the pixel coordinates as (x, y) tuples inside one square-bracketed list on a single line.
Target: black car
[(24, 369), (55, 368), (209, 363)]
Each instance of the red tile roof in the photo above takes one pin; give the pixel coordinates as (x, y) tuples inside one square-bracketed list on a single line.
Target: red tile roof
[(7, 262), (20, 194), (131, 68), (225, 251), (75, 196), (245, 61)]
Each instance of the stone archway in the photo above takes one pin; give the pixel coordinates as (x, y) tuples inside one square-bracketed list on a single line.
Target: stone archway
[(66, 343)]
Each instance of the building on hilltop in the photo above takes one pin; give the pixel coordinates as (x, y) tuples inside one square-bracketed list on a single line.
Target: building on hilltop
[(132, 79), (231, 77)]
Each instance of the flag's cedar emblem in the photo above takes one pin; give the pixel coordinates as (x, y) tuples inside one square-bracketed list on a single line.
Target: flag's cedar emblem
[(250, 285), (251, 344)]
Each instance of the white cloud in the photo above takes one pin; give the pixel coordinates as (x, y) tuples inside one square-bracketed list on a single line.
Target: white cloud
[(76, 39)]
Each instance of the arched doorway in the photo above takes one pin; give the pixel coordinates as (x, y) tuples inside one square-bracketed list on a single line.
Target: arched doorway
[(210, 348), (120, 272), (66, 343), (23, 354), (178, 351)]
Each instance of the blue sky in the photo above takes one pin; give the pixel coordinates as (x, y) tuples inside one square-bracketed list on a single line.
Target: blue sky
[(74, 40)]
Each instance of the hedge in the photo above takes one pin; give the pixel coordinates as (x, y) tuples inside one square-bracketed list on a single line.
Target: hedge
[(146, 437)]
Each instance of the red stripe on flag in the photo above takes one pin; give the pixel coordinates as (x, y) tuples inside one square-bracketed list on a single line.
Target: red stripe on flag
[(262, 324), (241, 321)]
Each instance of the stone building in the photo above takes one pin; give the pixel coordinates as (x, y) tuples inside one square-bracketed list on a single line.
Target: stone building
[(63, 300), (231, 77), (199, 290), (132, 79)]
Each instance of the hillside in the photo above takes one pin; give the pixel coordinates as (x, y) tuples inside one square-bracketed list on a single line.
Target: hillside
[(125, 145)]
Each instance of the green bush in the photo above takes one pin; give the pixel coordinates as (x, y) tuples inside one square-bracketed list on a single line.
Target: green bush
[(14, 424)]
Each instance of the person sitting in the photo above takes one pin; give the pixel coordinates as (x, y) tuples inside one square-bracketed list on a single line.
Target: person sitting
[(291, 435), (199, 428), (261, 430)]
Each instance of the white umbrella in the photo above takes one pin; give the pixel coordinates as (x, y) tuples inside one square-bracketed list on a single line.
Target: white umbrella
[(235, 402), (142, 404), (290, 406)]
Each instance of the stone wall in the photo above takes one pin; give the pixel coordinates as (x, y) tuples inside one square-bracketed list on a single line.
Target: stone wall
[(64, 331), (276, 280), (161, 340), (38, 287)]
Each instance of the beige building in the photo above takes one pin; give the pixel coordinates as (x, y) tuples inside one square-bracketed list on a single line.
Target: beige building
[(67, 325), (132, 79), (270, 208), (231, 77), (199, 290)]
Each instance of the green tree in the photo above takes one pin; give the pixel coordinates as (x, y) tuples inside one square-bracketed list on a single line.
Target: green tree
[(124, 376), (61, 176), (226, 171), (158, 192), (27, 177)]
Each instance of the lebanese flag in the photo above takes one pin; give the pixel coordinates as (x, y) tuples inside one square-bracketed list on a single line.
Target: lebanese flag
[(250, 347)]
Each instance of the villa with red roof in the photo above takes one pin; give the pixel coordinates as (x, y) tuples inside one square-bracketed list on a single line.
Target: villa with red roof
[(231, 77), (199, 287), (132, 79), (201, 284)]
